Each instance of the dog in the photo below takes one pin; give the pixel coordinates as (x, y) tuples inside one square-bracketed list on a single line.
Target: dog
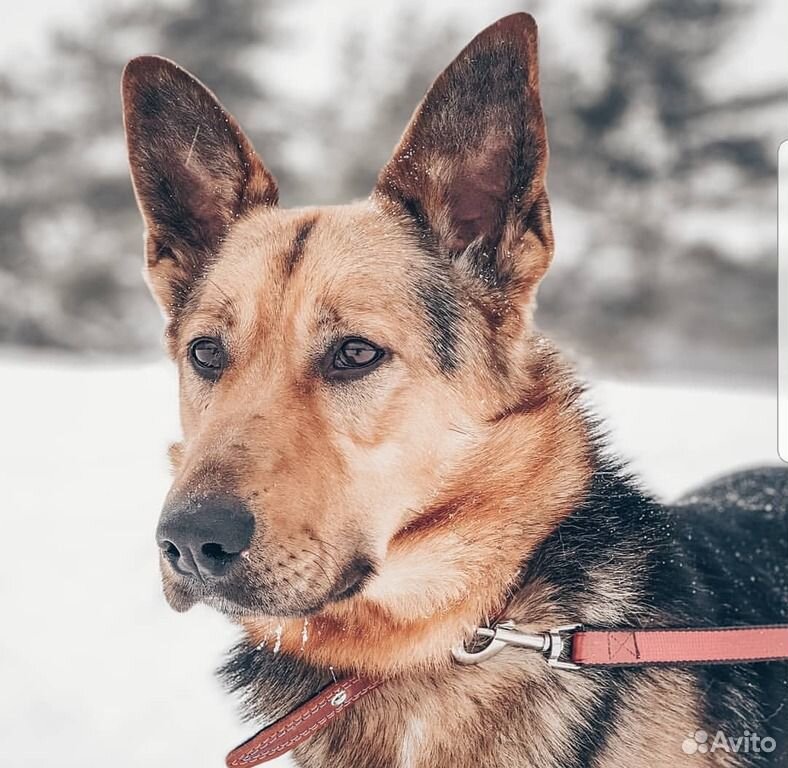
[(380, 451)]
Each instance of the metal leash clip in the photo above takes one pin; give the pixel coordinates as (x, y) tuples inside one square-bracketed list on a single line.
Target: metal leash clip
[(554, 644)]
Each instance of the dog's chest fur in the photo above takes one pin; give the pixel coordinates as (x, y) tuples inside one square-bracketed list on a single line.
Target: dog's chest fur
[(618, 560)]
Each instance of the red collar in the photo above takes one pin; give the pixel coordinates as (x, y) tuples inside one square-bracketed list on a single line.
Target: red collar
[(565, 648)]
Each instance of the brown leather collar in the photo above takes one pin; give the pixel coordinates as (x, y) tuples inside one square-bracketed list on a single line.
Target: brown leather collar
[(301, 723), (635, 647)]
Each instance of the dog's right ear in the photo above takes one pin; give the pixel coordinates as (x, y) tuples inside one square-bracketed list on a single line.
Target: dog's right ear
[(194, 173)]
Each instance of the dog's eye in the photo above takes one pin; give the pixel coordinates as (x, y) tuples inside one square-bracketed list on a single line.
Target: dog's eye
[(353, 358), (207, 357)]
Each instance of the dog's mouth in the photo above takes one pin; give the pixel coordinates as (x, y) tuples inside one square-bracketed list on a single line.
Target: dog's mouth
[(243, 593)]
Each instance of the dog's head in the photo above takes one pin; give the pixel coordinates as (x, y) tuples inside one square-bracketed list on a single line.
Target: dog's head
[(336, 364)]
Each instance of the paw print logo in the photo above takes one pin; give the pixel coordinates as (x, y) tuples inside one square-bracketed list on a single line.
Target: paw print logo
[(695, 743)]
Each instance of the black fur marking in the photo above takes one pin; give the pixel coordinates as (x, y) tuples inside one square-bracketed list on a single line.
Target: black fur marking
[(599, 721), (296, 252), (415, 211), (614, 513), (353, 578), (444, 316), (270, 684)]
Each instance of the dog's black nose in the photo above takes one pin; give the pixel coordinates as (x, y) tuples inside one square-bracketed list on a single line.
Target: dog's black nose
[(204, 537)]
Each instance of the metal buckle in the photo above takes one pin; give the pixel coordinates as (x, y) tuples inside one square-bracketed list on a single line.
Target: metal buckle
[(552, 644), (558, 644)]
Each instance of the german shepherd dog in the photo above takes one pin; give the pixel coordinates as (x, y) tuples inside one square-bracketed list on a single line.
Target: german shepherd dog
[(380, 452)]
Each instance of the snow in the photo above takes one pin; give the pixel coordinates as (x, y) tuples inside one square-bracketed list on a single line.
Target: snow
[(95, 669)]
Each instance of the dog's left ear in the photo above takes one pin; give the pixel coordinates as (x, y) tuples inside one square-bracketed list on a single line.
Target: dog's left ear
[(470, 168), (194, 173)]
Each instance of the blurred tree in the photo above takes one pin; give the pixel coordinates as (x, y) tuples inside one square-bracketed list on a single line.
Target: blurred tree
[(677, 186), (69, 230)]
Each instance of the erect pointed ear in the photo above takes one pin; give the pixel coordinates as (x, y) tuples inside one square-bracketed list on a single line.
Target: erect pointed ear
[(470, 168), (194, 172)]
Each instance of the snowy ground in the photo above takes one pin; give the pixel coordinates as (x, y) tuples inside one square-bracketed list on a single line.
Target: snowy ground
[(95, 670)]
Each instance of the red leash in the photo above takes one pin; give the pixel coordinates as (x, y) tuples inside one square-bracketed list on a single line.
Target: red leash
[(565, 648), (726, 645)]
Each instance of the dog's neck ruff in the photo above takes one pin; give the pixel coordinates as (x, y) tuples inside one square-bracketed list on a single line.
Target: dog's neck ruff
[(565, 648)]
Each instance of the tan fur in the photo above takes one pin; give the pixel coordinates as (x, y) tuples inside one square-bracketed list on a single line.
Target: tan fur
[(494, 507)]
